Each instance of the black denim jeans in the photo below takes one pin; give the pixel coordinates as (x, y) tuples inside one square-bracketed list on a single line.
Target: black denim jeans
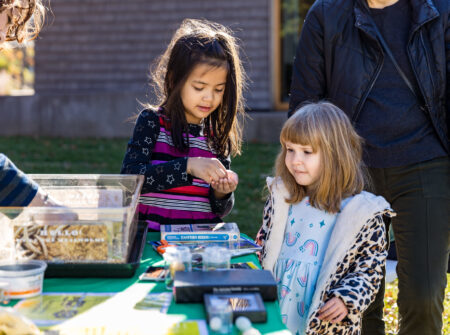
[(420, 194)]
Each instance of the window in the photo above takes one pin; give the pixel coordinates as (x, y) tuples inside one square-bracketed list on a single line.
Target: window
[(291, 14), (17, 70)]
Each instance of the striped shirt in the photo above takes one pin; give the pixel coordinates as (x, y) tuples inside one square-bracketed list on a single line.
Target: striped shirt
[(170, 195), (16, 189)]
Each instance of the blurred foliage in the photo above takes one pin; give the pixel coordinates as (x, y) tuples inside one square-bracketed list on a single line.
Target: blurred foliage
[(391, 308), (293, 13), (17, 69)]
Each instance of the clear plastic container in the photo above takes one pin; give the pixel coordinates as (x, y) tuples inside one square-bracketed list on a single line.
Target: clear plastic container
[(216, 258), (176, 259), (220, 317), (24, 278), (96, 223)]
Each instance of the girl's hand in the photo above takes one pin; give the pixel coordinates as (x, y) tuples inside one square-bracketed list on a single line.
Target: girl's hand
[(333, 311), (208, 169), (225, 185)]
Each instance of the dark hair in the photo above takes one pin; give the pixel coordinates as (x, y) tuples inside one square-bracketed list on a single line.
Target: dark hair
[(201, 42)]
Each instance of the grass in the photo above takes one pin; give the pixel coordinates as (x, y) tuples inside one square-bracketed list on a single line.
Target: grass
[(43, 155)]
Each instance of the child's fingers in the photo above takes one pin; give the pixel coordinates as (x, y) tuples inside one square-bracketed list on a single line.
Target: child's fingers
[(341, 317), (327, 314), (329, 304), (333, 315), (328, 309), (229, 185), (232, 186), (231, 175), (214, 175)]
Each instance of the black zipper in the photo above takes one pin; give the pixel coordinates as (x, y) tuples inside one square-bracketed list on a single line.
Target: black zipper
[(426, 106), (369, 88), (428, 62)]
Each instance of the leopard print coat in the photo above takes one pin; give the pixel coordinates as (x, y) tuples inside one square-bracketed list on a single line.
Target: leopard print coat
[(353, 264)]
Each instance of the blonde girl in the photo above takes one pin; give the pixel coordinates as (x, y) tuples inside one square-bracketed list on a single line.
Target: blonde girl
[(323, 237), (182, 145)]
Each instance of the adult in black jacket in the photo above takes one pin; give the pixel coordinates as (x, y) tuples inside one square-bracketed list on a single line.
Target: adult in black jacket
[(404, 123)]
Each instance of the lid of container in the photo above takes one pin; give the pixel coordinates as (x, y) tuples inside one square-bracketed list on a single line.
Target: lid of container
[(14, 269)]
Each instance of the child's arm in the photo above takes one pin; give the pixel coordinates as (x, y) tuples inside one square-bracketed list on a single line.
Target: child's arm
[(261, 236), (359, 287), (140, 151)]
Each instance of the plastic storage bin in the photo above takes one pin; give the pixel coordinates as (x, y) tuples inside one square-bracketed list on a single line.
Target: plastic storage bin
[(97, 222)]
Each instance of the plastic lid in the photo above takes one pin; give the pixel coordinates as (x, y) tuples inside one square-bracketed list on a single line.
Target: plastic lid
[(22, 268), (216, 254)]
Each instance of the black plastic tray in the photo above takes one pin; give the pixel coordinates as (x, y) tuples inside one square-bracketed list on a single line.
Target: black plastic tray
[(103, 270)]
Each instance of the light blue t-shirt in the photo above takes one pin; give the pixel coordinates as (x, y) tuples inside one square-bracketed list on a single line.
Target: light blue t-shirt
[(307, 234)]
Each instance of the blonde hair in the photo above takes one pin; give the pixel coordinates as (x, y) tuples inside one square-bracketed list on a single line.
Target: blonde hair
[(27, 18), (328, 130), (202, 42)]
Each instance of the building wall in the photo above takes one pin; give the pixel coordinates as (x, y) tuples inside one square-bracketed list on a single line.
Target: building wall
[(108, 45), (93, 60)]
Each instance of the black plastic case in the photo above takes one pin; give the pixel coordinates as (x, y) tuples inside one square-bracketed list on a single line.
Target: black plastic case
[(191, 286)]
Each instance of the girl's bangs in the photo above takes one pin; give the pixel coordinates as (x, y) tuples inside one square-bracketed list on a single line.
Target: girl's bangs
[(298, 130)]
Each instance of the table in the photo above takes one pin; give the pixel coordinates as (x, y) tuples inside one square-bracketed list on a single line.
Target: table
[(132, 289)]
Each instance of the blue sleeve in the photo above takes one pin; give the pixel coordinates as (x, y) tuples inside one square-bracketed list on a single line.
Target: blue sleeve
[(16, 189)]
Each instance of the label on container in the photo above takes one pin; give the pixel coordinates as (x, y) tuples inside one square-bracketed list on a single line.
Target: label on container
[(23, 287), (62, 242)]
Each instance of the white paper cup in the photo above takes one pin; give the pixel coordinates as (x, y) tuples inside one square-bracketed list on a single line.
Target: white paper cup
[(24, 278)]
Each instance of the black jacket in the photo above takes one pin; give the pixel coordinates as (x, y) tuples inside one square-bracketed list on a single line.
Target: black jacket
[(339, 57)]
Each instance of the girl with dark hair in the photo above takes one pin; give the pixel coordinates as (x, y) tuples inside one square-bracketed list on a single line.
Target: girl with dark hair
[(182, 145)]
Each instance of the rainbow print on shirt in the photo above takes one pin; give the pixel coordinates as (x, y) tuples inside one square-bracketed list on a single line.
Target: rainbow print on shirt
[(311, 247)]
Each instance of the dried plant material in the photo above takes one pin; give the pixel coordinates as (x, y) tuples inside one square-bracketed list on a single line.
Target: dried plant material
[(62, 242)]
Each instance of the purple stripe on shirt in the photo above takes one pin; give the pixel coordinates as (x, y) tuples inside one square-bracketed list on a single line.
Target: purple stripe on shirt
[(165, 148)]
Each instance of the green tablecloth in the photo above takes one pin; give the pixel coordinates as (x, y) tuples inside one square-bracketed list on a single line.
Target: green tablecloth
[(273, 325)]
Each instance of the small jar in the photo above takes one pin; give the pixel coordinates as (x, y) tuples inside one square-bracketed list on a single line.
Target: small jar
[(220, 317), (176, 259), (216, 258)]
